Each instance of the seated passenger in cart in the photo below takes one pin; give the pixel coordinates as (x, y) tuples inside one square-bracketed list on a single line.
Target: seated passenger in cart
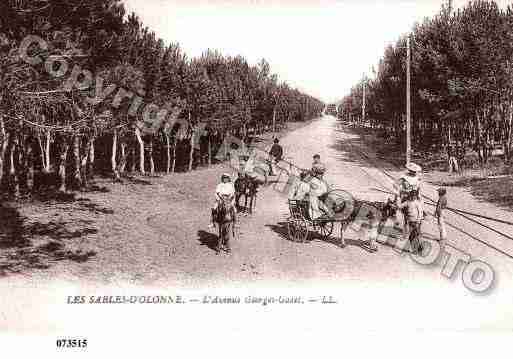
[(301, 188), (318, 190)]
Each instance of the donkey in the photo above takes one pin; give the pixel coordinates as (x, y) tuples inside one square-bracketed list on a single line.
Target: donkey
[(225, 218), (247, 187)]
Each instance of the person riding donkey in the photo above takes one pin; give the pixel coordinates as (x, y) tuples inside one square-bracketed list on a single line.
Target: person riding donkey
[(224, 190), (275, 155)]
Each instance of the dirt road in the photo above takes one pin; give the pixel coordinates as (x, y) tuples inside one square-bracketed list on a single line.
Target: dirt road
[(154, 233)]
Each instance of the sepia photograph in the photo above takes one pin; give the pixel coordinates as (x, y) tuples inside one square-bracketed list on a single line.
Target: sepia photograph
[(256, 178)]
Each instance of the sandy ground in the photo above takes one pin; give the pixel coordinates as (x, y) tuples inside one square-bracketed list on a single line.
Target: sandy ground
[(153, 233)]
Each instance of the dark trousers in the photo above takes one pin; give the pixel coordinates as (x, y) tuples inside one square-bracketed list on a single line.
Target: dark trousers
[(414, 237), (225, 235)]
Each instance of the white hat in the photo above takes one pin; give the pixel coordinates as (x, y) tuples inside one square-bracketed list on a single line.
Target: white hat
[(226, 175), (413, 167)]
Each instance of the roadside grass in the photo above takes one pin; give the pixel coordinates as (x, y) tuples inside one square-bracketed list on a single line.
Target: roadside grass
[(492, 182)]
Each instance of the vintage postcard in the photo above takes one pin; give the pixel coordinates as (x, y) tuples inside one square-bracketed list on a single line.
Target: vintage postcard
[(256, 178)]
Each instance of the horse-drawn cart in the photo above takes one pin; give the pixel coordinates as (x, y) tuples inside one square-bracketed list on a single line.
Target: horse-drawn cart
[(300, 222), (346, 210)]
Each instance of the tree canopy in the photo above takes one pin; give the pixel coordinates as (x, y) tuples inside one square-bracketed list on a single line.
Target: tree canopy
[(79, 72)]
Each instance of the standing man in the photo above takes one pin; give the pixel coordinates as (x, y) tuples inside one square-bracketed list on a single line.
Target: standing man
[(453, 162), (441, 205), (275, 154), (414, 216)]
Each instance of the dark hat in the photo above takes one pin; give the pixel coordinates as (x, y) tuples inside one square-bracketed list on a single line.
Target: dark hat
[(317, 156)]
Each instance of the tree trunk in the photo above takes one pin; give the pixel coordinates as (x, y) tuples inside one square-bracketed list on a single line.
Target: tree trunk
[(150, 154), (44, 146), (13, 173), (63, 156), (83, 161), (191, 152), (274, 119), (141, 150), (479, 139), (123, 160), (225, 145), (209, 151), (90, 161), (486, 148), (168, 153), (77, 177), (113, 161), (175, 142), (29, 164), (47, 151), (509, 130), (3, 148)]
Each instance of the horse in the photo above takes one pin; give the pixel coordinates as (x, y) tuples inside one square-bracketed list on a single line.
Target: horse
[(247, 187), (225, 218)]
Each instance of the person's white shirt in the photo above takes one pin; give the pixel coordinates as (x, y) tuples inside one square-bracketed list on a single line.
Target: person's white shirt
[(409, 183), (412, 181), (317, 187)]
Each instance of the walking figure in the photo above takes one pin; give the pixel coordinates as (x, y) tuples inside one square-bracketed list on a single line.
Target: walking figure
[(441, 205), (414, 217)]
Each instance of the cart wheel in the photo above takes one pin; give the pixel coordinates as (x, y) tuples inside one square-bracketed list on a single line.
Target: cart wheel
[(297, 229), (325, 229)]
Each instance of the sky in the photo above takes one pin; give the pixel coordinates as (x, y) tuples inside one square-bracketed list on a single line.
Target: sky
[(322, 47)]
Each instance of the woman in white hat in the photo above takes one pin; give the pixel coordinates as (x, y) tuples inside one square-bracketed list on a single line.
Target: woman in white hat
[(409, 183), (411, 180), (318, 188)]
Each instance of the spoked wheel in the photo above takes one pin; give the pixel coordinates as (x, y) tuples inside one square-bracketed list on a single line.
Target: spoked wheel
[(297, 229), (325, 229)]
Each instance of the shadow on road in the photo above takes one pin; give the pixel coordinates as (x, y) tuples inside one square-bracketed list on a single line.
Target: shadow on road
[(208, 239), (19, 250), (281, 229)]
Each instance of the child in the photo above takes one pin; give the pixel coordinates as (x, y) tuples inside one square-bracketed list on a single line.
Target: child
[(223, 189), (441, 205)]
